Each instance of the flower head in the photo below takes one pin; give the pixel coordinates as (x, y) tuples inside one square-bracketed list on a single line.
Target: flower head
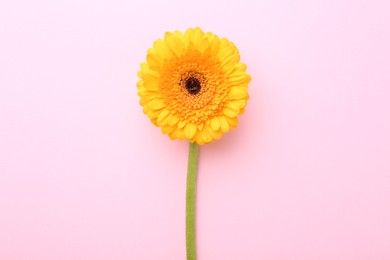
[(193, 85)]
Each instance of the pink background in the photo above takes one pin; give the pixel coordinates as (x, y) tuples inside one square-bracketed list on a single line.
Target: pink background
[(85, 175)]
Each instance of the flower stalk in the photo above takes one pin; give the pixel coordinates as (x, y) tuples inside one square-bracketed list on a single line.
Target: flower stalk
[(191, 201)]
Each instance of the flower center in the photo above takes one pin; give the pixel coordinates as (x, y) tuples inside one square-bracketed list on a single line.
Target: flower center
[(193, 85)]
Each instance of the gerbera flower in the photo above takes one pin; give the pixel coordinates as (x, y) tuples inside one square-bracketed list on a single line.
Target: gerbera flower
[(193, 85)]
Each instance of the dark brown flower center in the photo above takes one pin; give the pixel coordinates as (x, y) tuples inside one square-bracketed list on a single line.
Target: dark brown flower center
[(193, 85)]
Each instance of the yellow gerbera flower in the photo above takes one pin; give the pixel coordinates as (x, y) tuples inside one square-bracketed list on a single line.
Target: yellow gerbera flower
[(193, 85)]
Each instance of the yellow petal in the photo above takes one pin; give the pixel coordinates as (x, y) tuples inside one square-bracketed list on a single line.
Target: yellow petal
[(238, 93), (167, 129), (190, 130), (188, 37), (204, 44), (240, 66), (214, 134), (180, 134), (147, 95), (181, 124), (142, 91), (228, 68), (174, 44), (173, 120), (224, 124), (144, 65), (155, 60), (151, 84), (140, 83), (231, 112), (206, 136), (198, 37), (239, 77), (154, 121), (172, 135), (232, 59), (226, 49), (162, 49), (151, 113), (213, 43), (156, 104), (146, 74), (240, 103), (161, 120), (198, 138), (214, 123), (232, 122), (150, 97), (179, 35)]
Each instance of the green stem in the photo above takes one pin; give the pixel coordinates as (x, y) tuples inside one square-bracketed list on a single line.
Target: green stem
[(190, 200)]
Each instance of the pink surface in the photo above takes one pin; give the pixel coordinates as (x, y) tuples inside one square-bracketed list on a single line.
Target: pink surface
[(85, 175)]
